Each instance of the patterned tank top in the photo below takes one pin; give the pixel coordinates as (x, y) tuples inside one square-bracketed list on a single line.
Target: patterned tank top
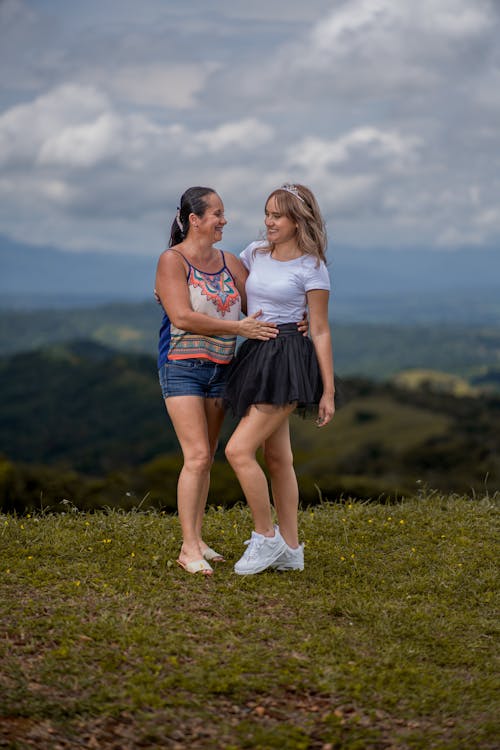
[(214, 294)]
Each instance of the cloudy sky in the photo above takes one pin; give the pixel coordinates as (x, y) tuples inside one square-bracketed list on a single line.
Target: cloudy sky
[(388, 109)]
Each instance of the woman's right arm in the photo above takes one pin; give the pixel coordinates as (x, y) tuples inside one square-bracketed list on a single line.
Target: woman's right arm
[(172, 289)]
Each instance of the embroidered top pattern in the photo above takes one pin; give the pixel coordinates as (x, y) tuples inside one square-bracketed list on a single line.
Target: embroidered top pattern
[(214, 294)]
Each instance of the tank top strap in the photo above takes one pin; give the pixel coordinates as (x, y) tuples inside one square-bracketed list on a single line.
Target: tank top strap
[(191, 267), (225, 266), (173, 250)]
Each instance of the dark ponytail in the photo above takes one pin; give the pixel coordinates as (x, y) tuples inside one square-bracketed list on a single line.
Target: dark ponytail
[(192, 202)]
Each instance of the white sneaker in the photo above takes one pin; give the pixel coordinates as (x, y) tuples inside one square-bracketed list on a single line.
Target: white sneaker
[(261, 552), (290, 559)]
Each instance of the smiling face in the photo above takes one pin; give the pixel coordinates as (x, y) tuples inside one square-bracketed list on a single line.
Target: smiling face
[(212, 223), (279, 227)]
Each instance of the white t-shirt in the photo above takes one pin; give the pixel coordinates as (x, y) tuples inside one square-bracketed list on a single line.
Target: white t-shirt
[(278, 288)]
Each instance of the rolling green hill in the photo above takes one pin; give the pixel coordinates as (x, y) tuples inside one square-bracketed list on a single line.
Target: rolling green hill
[(87, 424), (81, 405), (376, 351)]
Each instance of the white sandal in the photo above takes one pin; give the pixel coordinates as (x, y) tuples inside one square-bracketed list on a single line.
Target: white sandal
[(212, 556), (197, 566)]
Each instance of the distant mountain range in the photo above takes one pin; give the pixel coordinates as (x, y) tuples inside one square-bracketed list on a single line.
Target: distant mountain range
[(377, 285), (41, 276)]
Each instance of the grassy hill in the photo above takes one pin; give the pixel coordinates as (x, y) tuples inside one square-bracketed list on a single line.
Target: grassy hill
[(386, 640), (84, 423)]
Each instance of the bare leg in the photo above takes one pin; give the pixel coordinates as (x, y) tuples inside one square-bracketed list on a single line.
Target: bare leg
[(214, 414), (189, 418), (279, 461), (250, 433)]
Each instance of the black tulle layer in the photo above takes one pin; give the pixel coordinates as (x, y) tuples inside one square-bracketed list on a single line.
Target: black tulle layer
[(279, 372)]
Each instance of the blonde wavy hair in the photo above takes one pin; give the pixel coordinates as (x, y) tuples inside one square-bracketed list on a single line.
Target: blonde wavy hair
[(298, 204)]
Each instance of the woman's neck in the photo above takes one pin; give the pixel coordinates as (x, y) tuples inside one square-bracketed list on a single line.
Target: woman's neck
[(200, 253), (286, 251)]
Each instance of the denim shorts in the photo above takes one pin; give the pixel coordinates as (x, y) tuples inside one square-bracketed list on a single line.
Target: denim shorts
[(192, 377)]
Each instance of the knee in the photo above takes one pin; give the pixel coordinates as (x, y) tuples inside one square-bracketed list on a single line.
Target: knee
[(230, 452), (198, 463), (277, 461), (235, 453)]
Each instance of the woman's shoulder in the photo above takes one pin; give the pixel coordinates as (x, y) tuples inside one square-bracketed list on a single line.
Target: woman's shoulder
[(312, 265), (251, 250), (170, 252), (252, 246), (230, 259), (257, 244), (249, 255), (173, 257), (308, 259)]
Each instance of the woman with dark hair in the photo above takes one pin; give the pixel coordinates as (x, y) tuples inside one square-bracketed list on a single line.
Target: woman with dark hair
[(202, 291), (270, 379)]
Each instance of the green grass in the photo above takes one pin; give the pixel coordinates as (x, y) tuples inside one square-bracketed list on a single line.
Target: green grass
[(386, 640)]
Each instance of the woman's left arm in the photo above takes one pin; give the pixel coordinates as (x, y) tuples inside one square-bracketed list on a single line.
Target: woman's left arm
[(317, 301)]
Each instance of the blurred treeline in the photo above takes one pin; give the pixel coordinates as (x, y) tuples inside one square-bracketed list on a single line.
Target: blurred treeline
[(378, 350), (85, 426)]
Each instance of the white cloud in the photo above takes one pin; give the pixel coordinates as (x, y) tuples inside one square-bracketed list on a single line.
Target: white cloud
[(455, 19), (358, 172), (57, 192), (84, 145), (449, 18), (489, 218), (348, 19), (386, 27), (388, 109), (156, 85), (365, 142), (452, 237), (77, 126), (364, 50), (25, 127), (487, 91), (246, 134), (53, 146)]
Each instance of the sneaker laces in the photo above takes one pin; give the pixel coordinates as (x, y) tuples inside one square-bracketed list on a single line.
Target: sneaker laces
[(253, 546)]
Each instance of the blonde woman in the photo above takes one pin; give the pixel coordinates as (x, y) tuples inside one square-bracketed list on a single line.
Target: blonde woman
[(269, 380)]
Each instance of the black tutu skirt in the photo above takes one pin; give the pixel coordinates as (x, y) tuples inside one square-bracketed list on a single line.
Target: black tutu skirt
[(278, 372)]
